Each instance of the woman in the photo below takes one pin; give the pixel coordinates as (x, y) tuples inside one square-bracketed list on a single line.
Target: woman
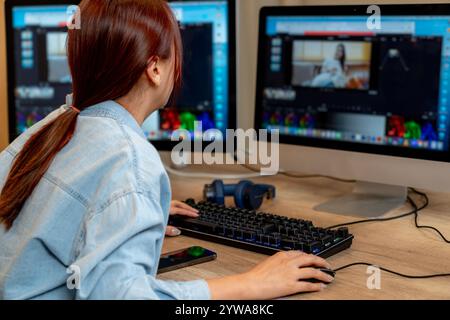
[(85, 196), (333, 70)]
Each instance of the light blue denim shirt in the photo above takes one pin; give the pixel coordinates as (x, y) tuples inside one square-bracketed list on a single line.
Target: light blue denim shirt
[(101, 209)]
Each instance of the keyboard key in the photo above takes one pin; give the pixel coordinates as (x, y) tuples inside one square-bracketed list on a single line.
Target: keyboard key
[(268, 228), (316, 247), (327, 241), (239, 234), (199, 225), (249, 235), (343, 232), (230, 232), (287, 244)]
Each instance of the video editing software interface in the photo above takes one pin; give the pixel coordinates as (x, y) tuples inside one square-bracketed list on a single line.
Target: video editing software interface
[(332, 78), (43, 79)]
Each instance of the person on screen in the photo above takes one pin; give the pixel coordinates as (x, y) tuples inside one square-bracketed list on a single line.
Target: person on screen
[(332, 73), (85, 199)]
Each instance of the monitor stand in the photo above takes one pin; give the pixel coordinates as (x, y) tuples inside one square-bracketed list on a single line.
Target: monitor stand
[(368, 200)]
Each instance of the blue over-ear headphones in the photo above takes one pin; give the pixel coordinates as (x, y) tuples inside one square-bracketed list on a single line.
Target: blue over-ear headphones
[(247, 195)]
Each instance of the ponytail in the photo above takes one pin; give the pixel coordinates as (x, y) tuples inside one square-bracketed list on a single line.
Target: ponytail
[(32, 162)]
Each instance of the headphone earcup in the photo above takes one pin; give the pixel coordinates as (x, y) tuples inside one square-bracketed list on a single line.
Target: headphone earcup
[(219, 187), (215, 192), (253, 198), (241, 193)]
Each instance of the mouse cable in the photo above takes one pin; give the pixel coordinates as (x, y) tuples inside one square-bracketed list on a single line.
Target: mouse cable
[(439, 275)]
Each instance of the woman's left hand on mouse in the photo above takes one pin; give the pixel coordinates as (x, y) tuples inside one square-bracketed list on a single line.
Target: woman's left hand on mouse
[(182, 209)]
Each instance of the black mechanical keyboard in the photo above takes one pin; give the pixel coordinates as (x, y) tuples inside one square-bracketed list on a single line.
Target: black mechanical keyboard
[(260, 232)]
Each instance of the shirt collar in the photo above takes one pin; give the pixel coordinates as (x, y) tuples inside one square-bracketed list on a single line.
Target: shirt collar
[(113, 110)]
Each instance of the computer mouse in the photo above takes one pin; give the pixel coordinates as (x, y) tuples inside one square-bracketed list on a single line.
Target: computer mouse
[(324, 270)]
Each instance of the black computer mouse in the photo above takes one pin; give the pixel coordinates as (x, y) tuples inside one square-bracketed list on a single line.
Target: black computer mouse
[(327, 271)]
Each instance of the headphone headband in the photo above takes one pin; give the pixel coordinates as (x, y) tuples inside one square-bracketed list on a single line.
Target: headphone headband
[(247, 195)]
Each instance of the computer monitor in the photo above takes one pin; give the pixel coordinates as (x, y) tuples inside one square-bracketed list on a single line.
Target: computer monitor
[(39, 77), (356, 99)]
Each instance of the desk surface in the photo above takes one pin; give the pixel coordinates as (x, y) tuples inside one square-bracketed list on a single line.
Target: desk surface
[(396, 245)]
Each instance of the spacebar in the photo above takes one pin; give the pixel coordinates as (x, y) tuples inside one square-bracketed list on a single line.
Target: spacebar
[(197, 225)]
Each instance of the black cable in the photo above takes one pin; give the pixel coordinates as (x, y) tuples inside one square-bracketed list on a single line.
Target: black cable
[(298, 176), (393, 272), (291, 175), (416, 216), (415, 211), (381, 219)]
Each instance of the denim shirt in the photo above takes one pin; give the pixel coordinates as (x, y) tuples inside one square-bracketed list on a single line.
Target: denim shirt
[(93, 227)]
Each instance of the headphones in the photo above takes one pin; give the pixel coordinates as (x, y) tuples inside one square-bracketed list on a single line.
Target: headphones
[(247, 195)]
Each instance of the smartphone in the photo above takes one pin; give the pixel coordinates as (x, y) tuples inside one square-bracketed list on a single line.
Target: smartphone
[(184, 258)]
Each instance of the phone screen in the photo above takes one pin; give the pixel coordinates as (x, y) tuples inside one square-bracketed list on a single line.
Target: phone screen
[(185, 258)]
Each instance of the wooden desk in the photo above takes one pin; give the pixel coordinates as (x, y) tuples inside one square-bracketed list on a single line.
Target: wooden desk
[(396, 245)]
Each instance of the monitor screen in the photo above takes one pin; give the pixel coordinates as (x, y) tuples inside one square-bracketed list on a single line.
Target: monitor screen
[(331, 81), (42, 77)]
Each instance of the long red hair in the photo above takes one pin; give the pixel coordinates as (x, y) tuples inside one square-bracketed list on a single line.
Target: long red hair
[(107, 56)]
